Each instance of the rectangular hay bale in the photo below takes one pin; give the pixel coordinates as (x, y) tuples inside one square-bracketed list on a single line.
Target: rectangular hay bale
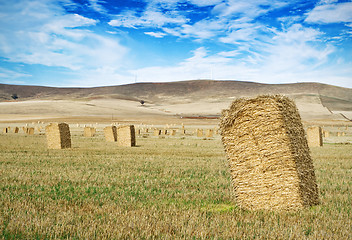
[(199, 132), (314, 137), (110, 133), (89, 132), (30, 131), (58, 135), (157, 132), (210, 133), (268, 154), (16, 130), (126, 136)]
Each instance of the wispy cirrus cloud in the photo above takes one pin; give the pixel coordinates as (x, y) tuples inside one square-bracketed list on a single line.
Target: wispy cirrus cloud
[(150, 18), (41, 32), (331, 13), (156, 34)]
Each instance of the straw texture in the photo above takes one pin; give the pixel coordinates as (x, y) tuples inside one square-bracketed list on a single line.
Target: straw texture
[(314, 137), (110, 133), (268, 154), (58, 135), (126, 136)]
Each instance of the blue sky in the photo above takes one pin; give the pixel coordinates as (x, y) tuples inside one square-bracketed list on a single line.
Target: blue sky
[(111, 42)]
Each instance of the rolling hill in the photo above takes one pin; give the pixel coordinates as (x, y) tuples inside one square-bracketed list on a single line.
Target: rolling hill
[(184, 98)]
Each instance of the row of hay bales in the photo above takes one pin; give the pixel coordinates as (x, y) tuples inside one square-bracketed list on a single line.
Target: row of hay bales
[(26, 130), (315, 135), (172, 132), (59, 136)]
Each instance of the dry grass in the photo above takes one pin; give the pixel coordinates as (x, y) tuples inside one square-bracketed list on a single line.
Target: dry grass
[(164, 189)]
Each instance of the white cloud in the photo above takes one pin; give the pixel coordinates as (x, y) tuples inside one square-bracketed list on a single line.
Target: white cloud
[(156, 34), (6, 74), (205, 3), (292, 56), (331, 13), (96, 5), (250, 9), (40, 32), (150, 18)]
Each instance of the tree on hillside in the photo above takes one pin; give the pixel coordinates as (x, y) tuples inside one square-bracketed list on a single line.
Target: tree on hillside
[(14, 96)]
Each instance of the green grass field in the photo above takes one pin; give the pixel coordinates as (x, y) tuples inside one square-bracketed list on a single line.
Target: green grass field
[(166, 188)]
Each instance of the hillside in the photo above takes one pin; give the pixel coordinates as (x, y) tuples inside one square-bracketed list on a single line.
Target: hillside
[(198, 97)]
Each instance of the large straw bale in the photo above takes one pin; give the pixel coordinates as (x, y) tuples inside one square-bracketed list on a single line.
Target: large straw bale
[(268, 154), (89, 132), (110, 133), (199, 132), (16, 130), (126, 136), (314, 137), (58, 135)]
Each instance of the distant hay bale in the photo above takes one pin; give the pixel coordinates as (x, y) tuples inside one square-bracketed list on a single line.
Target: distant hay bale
[(37, 129), (89, 132), (126, 136), (268, 154), (326, 134), (30, 131), (24, 129), (110, 133), (58, 135), (341, 134), (173, 132), (165, 132), (157, 132), (199, 132), (16, 130), (210, 133), (314, 137), (183, 131), (5, 130)]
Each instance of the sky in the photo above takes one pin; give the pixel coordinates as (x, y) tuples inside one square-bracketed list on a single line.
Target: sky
[(86, 43)]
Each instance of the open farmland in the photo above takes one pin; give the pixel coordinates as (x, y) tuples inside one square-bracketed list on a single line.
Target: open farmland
[(167, 187)]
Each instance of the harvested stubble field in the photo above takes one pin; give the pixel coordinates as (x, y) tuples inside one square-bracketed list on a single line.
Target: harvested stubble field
[(165, 188)]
